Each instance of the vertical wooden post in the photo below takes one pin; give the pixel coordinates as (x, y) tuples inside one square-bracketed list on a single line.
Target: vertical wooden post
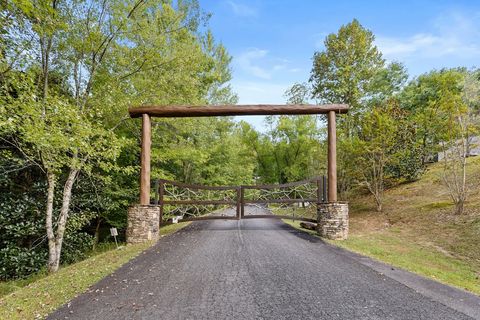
[(145, 160), (319, 197), (242, 203), (319, 190), (324, 189), (157, 188), (332, 158), (239, 203), (161, 192)]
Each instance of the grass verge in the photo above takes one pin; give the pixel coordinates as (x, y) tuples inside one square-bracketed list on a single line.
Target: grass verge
[(415, 258), (42, 294), (402, 253)]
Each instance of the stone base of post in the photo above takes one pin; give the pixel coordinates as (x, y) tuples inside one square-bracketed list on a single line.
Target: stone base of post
[(143, 223), (333, 220)]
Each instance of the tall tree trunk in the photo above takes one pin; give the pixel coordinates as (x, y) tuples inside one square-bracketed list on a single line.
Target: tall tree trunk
[(455, 168), (462, 197), (55, 241), (49, 223), (459, 206)]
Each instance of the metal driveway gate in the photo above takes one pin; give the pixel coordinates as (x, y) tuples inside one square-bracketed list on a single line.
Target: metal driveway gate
[(182, 202)]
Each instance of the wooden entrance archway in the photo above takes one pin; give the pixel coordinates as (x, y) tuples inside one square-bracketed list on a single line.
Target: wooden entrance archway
[(144, 218), (182, 111)]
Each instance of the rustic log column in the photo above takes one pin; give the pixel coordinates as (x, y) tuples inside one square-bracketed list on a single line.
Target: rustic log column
[(145, 160), (332, 158)]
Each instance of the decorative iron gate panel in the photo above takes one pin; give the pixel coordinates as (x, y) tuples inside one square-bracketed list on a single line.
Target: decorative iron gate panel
[(187, 202), (311, 191)]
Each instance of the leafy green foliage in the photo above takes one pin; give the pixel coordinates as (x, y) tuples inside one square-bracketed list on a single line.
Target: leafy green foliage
[(383, 150), (22, 246), (289, 151), (63, 106), (206, 150), (345, 70), (432, 99), (299, 93), (19, 262)]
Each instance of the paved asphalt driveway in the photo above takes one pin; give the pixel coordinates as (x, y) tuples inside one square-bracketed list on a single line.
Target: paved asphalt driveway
[(262, 269)]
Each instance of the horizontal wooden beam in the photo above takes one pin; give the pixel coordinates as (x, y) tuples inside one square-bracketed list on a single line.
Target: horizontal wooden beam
[(280, 201), (274, 216), (198, 202), (196, 186), (207, 218), (261, 216), (170, 111), (282, 186)]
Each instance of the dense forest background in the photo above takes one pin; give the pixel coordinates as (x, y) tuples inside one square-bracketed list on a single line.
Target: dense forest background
[(69, 154)]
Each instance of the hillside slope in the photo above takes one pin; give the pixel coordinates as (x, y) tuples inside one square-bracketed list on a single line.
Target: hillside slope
[(418, 230)]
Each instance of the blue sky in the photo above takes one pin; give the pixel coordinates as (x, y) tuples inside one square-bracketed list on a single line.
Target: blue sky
[(272, 42)]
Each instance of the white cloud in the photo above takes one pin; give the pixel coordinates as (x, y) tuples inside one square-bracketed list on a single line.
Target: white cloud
[(242, 10), (427, 45), (453, 35), (258, 63), (247, 62)]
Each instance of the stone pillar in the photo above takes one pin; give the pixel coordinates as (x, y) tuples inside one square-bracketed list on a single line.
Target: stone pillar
[(143, 223), (332, 220)]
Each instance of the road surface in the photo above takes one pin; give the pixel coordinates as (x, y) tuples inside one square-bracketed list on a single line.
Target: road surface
[(262, 269)]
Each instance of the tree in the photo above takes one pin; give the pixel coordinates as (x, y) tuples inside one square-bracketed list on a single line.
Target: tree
[(87, 61), (454, 150), (442, 116), (344, 71), (471, 97), (298, 93), (459, 106), (207, 150), (371, 150), (387, 82), (291, 150), (424, 97), (61, 141)]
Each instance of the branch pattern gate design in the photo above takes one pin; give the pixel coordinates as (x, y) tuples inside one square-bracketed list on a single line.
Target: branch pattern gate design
[(188, 202)]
